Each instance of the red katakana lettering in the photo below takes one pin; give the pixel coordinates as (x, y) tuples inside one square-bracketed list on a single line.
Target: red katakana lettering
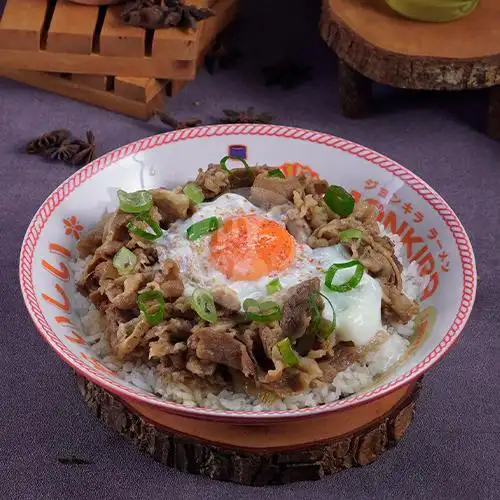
[(432, 234), (443, 255), (445, 267), (371, 184), (419, 217), (395, 199), (383, 192)]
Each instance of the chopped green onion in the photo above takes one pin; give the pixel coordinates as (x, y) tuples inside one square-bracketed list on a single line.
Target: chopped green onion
[(151, 299), (124, 261), (205, 226), (289, 356), (350, 234), (276, 172), (144, 234), (262, 311), (273, 286), (321, 326), (193, 192), (224, 166), (202, 301), (135, 203), (339, 200), (351, 283)]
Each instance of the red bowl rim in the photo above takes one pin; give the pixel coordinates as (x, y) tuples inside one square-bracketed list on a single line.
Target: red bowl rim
[(418, 185)]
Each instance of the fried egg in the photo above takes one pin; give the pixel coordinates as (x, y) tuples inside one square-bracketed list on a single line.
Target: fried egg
[(252, 247)]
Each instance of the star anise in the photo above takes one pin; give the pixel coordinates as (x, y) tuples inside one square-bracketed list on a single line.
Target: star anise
[(154, 14), (86, 150), (248, 116), (222, 57), (64, 152), (288, 74), (171, 122), (59, 145), (47, 141)]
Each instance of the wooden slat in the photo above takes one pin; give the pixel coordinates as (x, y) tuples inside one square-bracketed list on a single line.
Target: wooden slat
[(138, 89), (97, 64), (119, 40), (72, 28), (225, 14), (95, 81), (100, 98), (21, 24), (185, 46)]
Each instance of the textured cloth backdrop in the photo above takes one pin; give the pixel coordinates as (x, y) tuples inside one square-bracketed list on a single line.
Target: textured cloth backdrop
[(450, 451)]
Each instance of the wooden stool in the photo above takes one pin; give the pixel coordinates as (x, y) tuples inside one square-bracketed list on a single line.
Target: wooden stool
[(374, 43), (273, 453)]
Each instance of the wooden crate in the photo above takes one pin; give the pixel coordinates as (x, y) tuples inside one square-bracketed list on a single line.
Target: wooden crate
[(136, 97), (58, 36)]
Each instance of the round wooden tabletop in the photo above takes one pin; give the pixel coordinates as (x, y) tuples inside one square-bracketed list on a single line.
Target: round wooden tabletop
[(388, 48)]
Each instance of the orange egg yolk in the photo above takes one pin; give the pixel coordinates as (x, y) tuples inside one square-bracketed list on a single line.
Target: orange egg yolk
[(249, 247)]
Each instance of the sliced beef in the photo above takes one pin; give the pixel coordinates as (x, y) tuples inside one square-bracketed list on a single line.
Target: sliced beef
[(400, 308), (213, 181), (226, 298), (129, 335), (115, 228), (200, 367), (296, 308), (180, 308), (310, 208), (299, 229), (109, 248), (242, 178), (89, 242), (168, 281), (218, 343), (122, 291), (172, 206), (269, 192), (342, 357), (313, 185), (328, 234), (146, 257), (296, 379)]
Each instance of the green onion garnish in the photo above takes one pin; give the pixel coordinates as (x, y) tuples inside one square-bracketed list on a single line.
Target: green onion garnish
[(135, 203), (339, 200), (193, 192), (202, 301), (224, 160), (321, 326), (273, 286), (205, 226), (124, 261), (351, 283), (144, 234), (350, 234), (151, 299), (276, 172), (262, 311), (289, 356)]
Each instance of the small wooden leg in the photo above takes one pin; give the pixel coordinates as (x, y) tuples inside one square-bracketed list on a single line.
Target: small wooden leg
[(494, 113), (355, 92)]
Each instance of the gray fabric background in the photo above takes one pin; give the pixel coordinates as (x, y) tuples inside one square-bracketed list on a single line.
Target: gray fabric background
[(451, 450)]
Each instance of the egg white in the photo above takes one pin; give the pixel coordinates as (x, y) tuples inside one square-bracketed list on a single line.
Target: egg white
[(358, 312)]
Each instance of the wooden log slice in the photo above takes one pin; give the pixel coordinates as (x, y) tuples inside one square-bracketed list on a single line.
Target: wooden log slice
[(388, 48), (275, 453)]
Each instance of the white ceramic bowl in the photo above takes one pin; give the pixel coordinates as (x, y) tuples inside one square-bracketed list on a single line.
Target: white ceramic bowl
[(430, 231)]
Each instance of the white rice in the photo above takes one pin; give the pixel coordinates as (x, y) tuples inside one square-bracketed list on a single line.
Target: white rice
[(354, 379)]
